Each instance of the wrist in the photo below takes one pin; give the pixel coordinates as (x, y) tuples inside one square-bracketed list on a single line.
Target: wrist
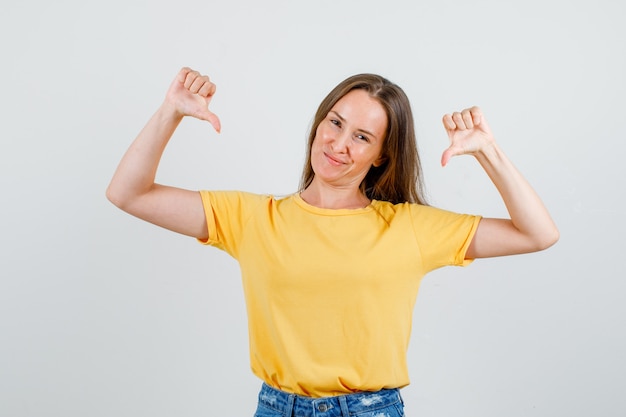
[(489, 152), (167, 112)]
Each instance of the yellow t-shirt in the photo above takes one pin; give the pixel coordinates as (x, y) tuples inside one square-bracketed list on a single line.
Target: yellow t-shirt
[(330, 293)]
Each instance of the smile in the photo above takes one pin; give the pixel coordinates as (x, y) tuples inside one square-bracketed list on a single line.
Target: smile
[(333, 161)]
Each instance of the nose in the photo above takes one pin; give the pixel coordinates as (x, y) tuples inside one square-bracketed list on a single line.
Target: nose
[(341, 142)]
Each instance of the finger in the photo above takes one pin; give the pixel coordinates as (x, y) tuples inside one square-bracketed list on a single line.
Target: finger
[(448, 123), (447, 155), (458, 120), (182, 74), (467, 118), (453, 150), (215, 122), (190, 78), (477, 115), (207, 89), (211, 118), (198, 83)]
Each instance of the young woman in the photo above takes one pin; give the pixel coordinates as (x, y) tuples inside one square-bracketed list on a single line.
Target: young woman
[(331, 273)]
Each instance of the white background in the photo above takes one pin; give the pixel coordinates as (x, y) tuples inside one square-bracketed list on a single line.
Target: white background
[(104, 315)]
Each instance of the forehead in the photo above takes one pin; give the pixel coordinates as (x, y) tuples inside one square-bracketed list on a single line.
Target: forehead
[(360, 108)]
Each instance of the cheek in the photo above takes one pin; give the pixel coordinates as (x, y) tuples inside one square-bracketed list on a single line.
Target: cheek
[(320, 133), (316, 149), (315, 145)]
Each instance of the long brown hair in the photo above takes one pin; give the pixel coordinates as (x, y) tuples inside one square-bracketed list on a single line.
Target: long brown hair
[(399, 178)]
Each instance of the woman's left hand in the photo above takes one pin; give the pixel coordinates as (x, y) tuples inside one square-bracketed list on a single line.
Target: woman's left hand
[(468, 131), (530, 227)]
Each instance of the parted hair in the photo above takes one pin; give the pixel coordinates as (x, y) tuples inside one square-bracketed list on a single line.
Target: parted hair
[(399, 178)]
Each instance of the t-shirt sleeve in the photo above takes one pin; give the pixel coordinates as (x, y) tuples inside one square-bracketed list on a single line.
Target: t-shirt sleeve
[(227, 213), (443, 236)]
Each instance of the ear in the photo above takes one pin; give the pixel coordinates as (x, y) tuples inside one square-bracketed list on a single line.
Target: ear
[(381, 160)]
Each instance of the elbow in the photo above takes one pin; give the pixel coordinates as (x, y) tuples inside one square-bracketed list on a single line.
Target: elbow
[(125, 198), (548, 239), (555, 237), (115, 197)]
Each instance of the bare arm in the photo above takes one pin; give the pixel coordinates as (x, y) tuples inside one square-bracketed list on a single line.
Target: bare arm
[(132, 187), (530, 227)]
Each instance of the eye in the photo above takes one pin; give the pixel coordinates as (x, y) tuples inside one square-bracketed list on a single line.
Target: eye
[(363, 138), (335, 122)]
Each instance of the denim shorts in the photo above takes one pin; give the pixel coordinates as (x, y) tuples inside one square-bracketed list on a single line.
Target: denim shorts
[(275, 403)]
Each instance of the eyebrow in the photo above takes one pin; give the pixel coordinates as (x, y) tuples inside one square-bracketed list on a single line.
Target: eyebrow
[(340, 117)]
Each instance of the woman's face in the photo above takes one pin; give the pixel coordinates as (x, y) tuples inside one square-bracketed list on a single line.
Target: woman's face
[(349, 140)]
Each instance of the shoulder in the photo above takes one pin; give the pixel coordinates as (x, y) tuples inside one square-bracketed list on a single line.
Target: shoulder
[(234, 201), (387, 208), (419, 213), (234, 195)]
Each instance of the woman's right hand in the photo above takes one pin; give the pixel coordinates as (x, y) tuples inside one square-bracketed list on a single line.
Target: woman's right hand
[(132, 187), (190, 94)]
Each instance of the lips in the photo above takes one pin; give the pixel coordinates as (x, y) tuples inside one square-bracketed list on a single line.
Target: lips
[(334, 160)]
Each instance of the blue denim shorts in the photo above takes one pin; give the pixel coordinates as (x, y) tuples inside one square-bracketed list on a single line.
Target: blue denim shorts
[(275, 403)]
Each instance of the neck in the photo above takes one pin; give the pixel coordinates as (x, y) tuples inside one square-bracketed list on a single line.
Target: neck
[(334, 198)]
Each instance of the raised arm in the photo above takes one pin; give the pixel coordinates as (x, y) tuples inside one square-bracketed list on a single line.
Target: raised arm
[(132, 187), (530, 227)]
